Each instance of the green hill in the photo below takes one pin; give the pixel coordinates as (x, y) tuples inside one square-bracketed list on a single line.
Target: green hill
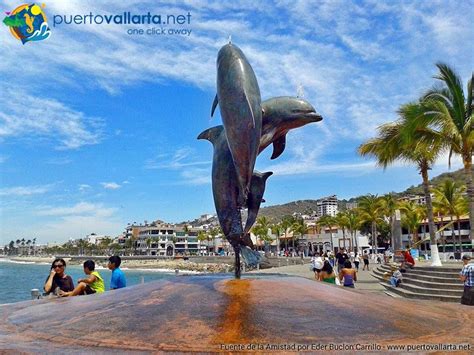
[(276, 212)]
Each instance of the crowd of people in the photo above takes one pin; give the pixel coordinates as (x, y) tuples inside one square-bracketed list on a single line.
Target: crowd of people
[(336, 269), (61, 284), (342, 267)]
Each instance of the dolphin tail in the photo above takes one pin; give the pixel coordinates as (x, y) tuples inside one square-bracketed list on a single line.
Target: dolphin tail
[(278, 147), (214, 105), (266, 175), (250, 108), (211, 134)]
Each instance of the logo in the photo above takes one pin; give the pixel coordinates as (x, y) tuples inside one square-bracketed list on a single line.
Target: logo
[(28, 23)]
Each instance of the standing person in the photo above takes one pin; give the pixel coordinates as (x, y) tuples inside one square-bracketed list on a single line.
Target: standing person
[(365, 258), (327, 273), (348, 275), (58, 278), (93, 283), (341, 258), (317, 265), (467, 276), (118, 277), (356, 261)]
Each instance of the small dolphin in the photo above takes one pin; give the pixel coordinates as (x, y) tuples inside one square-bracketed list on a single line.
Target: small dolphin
[(257, 189), (225, 185), (238, 96), (280, 114)]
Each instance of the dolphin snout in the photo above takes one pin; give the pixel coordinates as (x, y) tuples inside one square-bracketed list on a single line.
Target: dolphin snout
[(314, 116)]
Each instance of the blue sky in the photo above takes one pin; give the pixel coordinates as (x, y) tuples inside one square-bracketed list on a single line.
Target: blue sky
[(98, 128)]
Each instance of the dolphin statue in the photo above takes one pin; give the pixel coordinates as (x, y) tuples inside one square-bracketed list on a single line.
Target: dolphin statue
[(225, 185), (238, 97), (280, 114), (257, 189)]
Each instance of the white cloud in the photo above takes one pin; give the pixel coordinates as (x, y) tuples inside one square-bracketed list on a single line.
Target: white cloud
[(24, 190), (27, 116), (110, 185), (79, 209), (84, 187), (182, 157)]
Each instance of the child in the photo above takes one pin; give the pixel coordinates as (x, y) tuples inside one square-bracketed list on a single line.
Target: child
[(118, 277), (92, 284)]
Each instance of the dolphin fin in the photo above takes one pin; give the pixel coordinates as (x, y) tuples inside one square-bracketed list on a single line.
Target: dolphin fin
[(211, 134), (278, 147), (214, 105), (250, 108), (266, 175)]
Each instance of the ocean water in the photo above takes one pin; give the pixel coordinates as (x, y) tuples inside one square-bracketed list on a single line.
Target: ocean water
[(17, 279)]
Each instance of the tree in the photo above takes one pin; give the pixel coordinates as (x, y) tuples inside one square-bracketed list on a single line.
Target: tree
[(260, 229), (298, 228), (285, 224), (327, 221), (412, 140), (411, 219), (277, 230), (342, 221), (449, 199), (389, 206), (370, 207), (202, 236), (353, 224), (452, 112)]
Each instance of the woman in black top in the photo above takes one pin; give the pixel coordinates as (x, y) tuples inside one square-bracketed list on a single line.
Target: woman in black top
[(58, 278)]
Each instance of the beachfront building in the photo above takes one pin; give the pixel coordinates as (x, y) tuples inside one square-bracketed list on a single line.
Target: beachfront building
[(450, 240), (164, 239), (326, 206)]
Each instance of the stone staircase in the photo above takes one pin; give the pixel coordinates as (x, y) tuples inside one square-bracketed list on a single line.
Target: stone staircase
[(428, 283)]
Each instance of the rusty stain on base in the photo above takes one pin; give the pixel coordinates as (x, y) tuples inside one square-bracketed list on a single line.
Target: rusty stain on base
[(201, 313)]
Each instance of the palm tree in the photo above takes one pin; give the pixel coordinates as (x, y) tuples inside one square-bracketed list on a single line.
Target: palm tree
[(370, 207), (449, 198), (452, 112), (277, 230), (343, 222), (285, 224), (298, 228), (261, 228), (213, 233), (328, 222), (411, 219), (410, 139), (353, 224), (34, 246), (202, 236), (390, 205)]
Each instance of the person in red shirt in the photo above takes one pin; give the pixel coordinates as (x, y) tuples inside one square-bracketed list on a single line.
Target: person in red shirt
[(407, 260)]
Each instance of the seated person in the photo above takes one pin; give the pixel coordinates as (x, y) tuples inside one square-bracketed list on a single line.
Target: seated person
[(396, 278), (348, 275), (92, 284), (118, 277), (407, 260), (58, 278), (327, 273)]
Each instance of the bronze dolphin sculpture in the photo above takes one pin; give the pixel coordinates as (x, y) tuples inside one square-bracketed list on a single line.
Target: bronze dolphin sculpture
[(238, 96), (280, 114)]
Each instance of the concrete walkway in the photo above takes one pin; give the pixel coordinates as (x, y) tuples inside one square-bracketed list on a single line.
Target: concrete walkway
[(365, 281)]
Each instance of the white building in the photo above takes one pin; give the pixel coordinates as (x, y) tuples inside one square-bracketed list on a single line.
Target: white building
[(326, 206)]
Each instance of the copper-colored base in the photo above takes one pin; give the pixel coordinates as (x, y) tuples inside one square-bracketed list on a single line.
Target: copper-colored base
[(205, 313)]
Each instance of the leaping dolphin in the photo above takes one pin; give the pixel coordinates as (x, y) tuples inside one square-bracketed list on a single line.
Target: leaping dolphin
[(238, 96), (280, 114), (257, 189), (225, 185)]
